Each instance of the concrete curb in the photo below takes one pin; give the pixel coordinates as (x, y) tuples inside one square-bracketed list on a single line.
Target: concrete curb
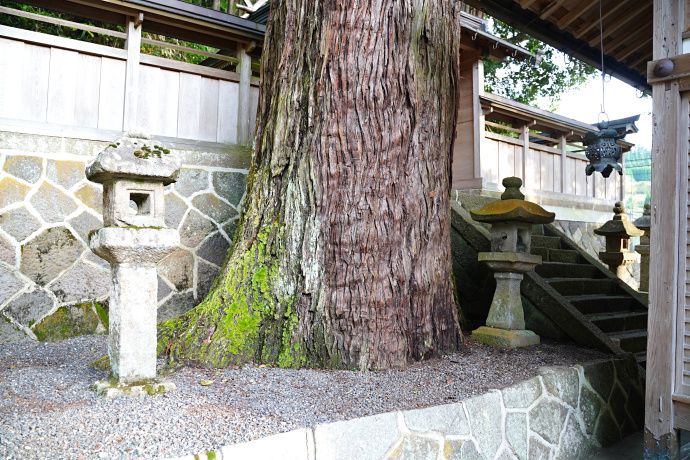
[(564, 413)]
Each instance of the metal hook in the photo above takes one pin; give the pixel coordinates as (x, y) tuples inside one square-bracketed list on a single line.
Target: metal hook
[(474, 37), (609, 77), (495, 45), (639, 93)]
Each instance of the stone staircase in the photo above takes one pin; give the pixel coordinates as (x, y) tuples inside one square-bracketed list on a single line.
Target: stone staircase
[(592, 291), (573, 291)]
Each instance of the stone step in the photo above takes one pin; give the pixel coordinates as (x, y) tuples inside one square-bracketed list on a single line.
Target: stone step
[(551, 242), (591, 304), (582, 286), (619, 321), (565, 256), (634, 341), (561, 270)]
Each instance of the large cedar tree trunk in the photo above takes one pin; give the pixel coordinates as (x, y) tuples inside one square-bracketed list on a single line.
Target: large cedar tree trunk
[(342, 258)]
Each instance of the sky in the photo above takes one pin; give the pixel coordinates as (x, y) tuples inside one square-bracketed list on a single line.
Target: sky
[(621, 101)]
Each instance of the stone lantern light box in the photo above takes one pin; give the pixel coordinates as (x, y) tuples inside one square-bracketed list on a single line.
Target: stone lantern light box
[(133, 172)]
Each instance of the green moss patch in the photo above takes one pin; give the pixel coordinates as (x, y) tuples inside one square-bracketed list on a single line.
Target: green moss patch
[(71, 321)]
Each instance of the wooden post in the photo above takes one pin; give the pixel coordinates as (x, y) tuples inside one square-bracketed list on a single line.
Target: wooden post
[(478, 90), (132, 46), (564, 156), (243, 100), (661, 437), (527, 160)]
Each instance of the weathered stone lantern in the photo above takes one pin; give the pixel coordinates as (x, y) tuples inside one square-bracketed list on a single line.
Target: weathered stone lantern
[(511, 220), (618, 232), (644, 223), (133, 171)]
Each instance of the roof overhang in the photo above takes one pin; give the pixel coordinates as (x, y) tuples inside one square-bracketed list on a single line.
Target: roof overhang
[(572, 26)]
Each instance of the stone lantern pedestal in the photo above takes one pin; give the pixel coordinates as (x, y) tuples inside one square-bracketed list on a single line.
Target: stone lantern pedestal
[(511, 220), (133, 172), (644, 223), (618, 232)]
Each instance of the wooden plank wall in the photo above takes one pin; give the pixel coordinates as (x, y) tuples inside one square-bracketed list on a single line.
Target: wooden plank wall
[(47, 84), (503, 156), (464, 147), (683, 320)]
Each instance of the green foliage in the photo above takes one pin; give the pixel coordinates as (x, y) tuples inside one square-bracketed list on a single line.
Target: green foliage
[(638, 164), (523, 81)]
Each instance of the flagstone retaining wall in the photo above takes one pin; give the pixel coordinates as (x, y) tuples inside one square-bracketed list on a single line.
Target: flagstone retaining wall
[(51, 285), (565, 413)]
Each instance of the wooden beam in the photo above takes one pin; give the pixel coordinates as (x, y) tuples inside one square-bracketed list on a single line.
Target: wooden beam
[(525, 4), (641, 13), (681, 68), (549, 10), (575, 13), (593, 20), (646, 57), (132, 46), (642, 42), (670, 158), (625, 37)]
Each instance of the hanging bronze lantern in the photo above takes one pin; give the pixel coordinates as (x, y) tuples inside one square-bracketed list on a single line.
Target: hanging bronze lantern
[(602, 151)]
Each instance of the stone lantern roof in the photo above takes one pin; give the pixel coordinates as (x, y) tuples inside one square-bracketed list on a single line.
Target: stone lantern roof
[(644, 222), (136, 157), (512, 207), (619, 225)]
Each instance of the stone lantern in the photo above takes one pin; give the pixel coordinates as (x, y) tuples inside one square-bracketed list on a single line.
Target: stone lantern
[(618, 232), (133, 171), (644, 223), (511, 220)]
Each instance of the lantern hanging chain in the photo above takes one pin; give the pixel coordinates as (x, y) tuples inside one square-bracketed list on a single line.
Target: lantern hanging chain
[(603, 71)]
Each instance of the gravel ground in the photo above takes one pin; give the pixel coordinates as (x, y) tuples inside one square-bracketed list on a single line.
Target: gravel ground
[(48, 411)]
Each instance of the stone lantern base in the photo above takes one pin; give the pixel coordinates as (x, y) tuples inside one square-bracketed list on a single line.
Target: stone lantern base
[(502, 338), (111, 389)]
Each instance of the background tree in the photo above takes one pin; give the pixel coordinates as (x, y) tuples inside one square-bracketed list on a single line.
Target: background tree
[(342, 257), (523, 81)]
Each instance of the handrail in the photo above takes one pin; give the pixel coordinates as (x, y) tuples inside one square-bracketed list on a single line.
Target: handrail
[(62, 22)]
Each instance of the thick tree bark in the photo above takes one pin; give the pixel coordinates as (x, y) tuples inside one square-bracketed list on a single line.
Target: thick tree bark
[(342, 258)]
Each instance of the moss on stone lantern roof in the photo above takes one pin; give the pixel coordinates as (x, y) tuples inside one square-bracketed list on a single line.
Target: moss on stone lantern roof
[(513, 207), (619, 225)]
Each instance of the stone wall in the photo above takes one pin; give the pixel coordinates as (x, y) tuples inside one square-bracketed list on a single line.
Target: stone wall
[(51, 285), (564, 413)]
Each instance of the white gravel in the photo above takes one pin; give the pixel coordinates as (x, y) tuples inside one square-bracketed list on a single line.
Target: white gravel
[(48, 411)]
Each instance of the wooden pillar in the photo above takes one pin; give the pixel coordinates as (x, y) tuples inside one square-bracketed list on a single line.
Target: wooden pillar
[(132, 46), (478, 90), (563, 147), (528, 163), (244, 102), (660, 436)]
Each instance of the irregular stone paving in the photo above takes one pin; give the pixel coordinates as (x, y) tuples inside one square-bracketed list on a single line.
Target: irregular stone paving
[(565, 413), (48, 208)]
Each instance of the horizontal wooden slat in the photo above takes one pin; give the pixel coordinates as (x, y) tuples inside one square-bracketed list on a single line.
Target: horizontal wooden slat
[(61, 42), (62, 22), (187, 49)]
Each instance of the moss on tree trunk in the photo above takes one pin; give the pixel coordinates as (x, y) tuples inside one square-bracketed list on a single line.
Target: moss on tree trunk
[(342, 258)]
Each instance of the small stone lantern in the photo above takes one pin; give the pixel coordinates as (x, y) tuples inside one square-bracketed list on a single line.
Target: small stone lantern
[(618, 232), (511, 220), (644, 223), (133, 171)]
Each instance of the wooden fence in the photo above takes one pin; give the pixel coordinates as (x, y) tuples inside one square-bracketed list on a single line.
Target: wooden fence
[(60, 81)]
